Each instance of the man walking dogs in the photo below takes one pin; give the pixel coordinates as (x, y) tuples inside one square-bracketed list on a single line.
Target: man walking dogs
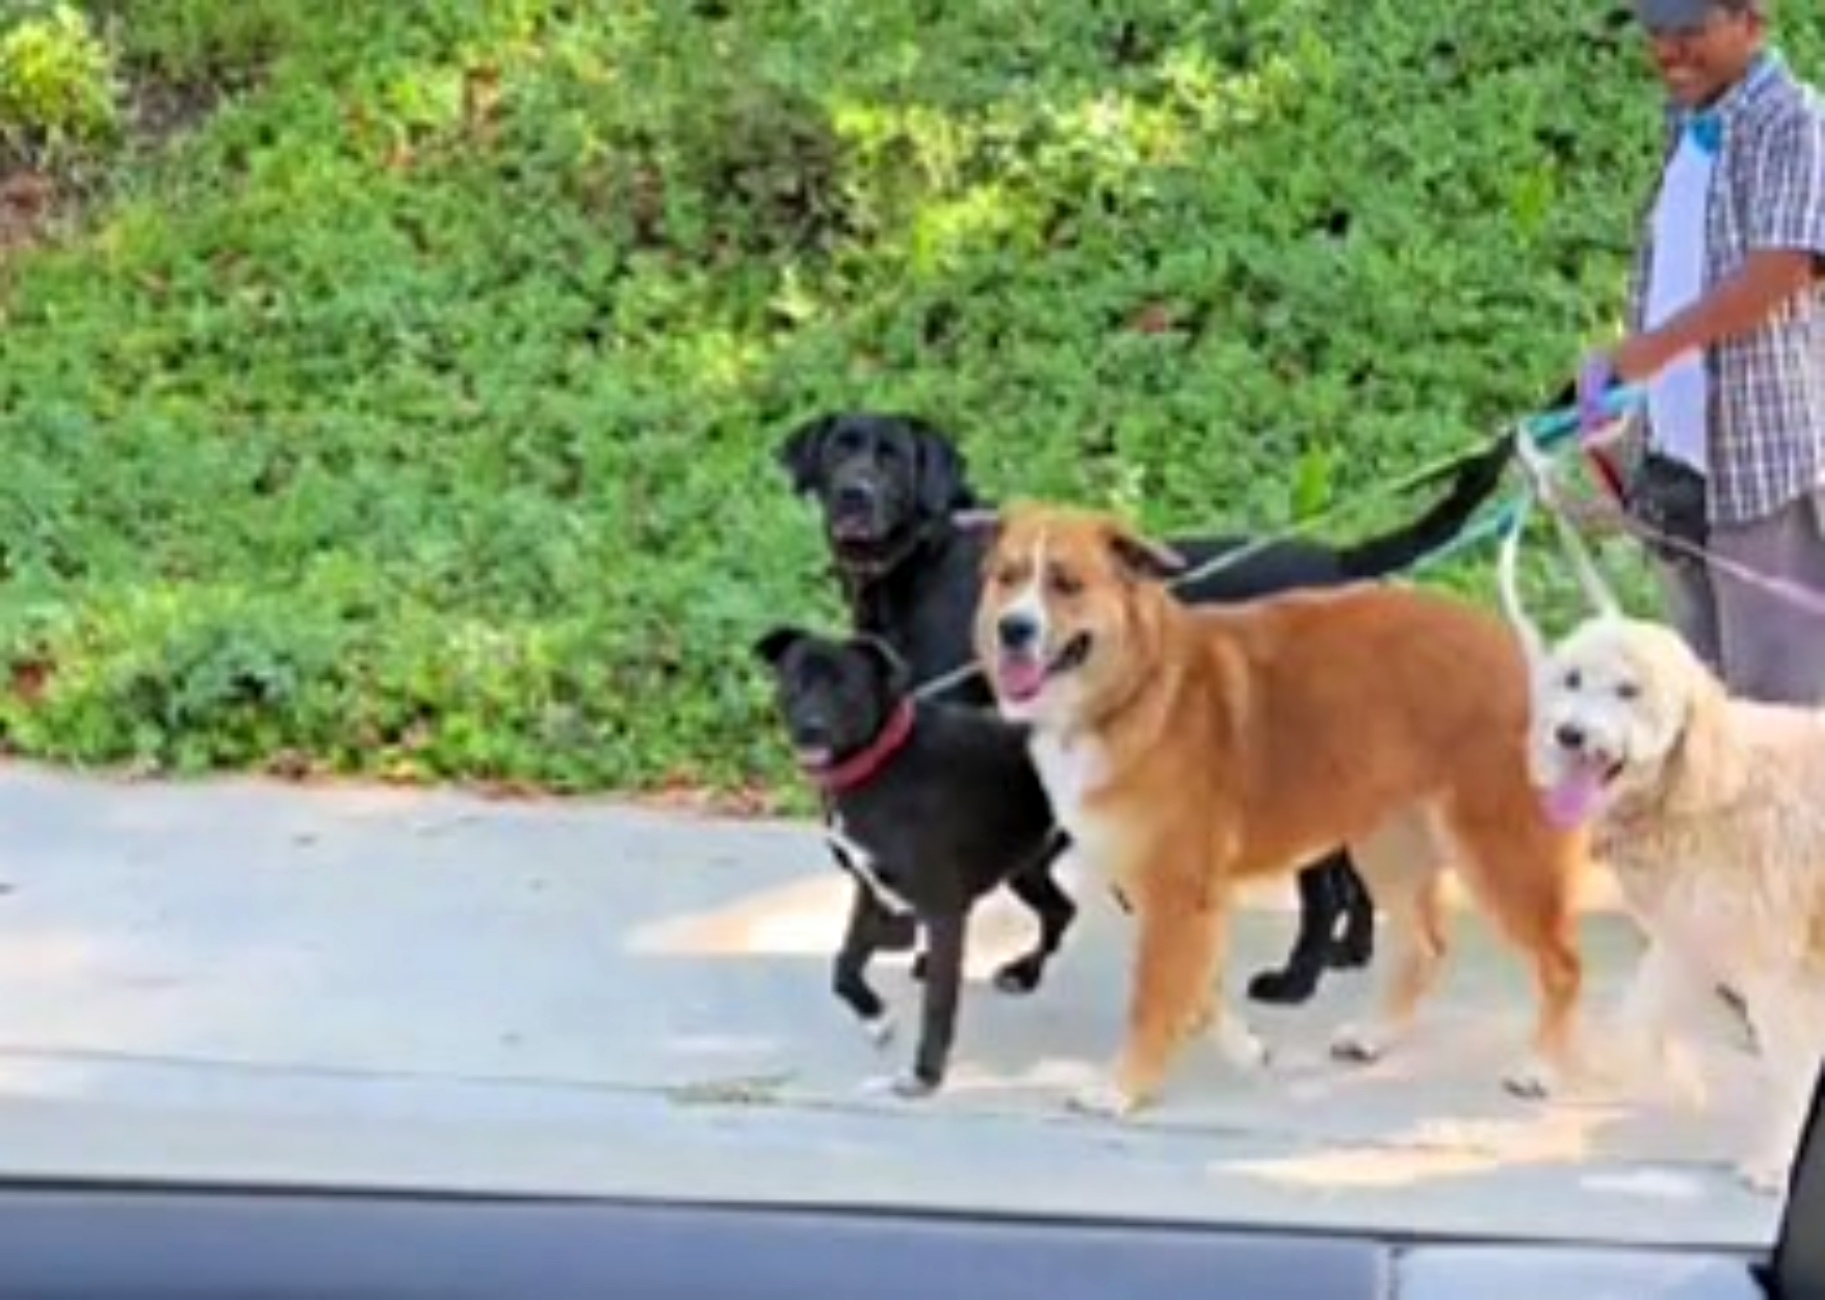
[(1728, 335)]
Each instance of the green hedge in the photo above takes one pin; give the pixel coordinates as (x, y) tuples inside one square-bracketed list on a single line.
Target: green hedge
[(414, 414)]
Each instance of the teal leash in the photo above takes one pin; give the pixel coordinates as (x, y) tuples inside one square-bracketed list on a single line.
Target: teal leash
[(1550, 431)]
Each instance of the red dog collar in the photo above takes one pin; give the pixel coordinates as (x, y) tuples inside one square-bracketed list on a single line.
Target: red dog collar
[(862, 765)]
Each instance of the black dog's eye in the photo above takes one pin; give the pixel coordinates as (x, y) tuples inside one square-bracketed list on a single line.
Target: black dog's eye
[(1065, 583)]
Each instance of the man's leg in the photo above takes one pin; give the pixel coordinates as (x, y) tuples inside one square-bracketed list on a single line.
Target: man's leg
[(1773, 648)]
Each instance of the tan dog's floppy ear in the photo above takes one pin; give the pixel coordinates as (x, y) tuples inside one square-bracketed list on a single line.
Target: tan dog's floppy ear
[(1707, 766), (1143, 558)]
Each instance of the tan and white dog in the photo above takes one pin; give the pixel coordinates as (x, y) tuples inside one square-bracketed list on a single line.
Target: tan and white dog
[(1188, 750)]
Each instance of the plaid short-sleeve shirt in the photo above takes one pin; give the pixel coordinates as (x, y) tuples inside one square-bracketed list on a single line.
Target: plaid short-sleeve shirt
[(1766, 388)]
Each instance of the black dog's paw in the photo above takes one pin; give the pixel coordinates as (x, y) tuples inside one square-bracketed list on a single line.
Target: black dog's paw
[(909, 1086), (879, 1029), (1286, 988), (1022, 975), (913, 1086)]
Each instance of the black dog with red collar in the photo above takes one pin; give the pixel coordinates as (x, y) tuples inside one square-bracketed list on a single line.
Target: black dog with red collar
[(931, 806)]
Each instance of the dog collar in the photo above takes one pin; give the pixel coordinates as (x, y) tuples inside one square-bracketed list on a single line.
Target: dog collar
[(862, 765)]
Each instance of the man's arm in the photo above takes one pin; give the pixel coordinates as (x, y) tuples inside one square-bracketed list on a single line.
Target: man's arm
[(1786, 238), (1734, 306)]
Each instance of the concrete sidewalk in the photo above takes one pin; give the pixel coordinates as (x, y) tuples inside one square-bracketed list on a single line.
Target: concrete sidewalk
[(257, 982)]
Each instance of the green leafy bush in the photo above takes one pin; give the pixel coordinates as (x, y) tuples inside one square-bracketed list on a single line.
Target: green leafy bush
[(416, 415), (58, 89)]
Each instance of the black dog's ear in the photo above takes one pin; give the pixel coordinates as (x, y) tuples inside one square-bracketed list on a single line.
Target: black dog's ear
[(771, 646), (1143, 558), (943, 472), (801, 454), (894, 670)]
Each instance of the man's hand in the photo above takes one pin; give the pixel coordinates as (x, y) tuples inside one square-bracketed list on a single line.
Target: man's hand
[(1595, 378), (1642, 356)]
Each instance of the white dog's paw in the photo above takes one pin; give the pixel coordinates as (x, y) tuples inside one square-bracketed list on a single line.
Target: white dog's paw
[(1685, 1082), (1650, 1063), (1362, 1044), (1532, 1079), (1239, 1045), (879, 1030), (1766, 1176), (1633, 1053), (1104, 1097)]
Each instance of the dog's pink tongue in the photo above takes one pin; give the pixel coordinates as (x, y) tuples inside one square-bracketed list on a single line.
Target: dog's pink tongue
[(1573, 798), (1022, 678)]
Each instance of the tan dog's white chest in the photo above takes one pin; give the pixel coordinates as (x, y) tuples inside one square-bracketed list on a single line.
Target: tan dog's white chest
[(1072, 771)]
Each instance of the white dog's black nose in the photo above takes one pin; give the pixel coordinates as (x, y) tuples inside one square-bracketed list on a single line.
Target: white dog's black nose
[(1570, 736), (1017, 631)]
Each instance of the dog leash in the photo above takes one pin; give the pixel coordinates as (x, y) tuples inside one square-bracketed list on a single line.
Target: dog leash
[(1547, 429), (1537, 466), (1786, 590), (1427, 473)]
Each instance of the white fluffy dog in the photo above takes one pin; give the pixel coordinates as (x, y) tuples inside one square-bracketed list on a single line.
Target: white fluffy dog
[(1710, 810)]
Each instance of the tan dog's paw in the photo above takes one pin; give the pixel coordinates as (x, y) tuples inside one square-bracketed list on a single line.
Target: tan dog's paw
[(1532, 1080), (1106, 1098), (1358, 1043)]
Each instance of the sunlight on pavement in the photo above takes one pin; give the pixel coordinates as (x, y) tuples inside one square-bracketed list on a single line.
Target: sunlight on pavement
[(805, 919), (801, 919), (1438, 1148)]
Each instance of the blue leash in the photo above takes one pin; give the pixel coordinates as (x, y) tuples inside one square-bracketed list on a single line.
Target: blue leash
[(1550, 431)]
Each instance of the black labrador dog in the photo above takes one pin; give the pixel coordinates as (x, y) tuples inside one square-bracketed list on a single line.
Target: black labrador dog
[(891, 488), (933, 805)]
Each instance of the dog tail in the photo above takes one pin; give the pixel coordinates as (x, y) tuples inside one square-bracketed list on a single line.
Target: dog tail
[(1476, 477)]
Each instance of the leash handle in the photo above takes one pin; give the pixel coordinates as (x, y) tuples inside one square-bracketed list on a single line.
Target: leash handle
[(1550, 429), (1553, 428)]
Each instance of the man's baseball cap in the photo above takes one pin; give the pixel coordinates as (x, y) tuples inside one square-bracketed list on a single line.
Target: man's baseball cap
[(1684, 15)]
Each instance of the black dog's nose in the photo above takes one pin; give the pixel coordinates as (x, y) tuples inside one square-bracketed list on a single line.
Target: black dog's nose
[(1570, 736), (1017, 631), (855, 496)]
